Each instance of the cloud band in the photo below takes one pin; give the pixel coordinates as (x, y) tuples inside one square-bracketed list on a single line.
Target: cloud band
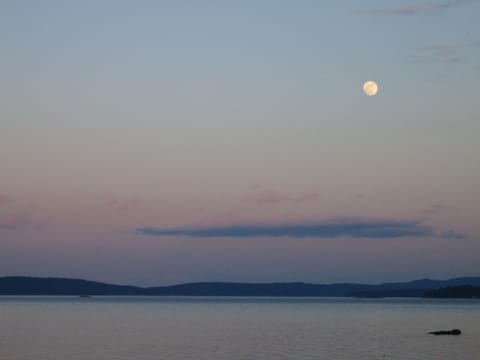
[(332, 229)]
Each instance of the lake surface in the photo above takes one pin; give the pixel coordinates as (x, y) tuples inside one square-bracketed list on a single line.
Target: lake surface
[(155, 328)]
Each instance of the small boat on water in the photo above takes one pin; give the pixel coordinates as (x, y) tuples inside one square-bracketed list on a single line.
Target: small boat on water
[(84, 296)]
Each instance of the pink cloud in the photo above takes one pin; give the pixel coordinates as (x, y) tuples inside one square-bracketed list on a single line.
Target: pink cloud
[(230, 219), (313, 196), (20, 221), (268, 197), (216, 220), (4, 199), (112, 203), (271, 196), (124, 205)]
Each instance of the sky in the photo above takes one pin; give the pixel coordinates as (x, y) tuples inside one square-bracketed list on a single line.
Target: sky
[(161, 142)]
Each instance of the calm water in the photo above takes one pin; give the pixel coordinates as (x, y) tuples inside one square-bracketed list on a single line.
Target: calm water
[(117, 328)]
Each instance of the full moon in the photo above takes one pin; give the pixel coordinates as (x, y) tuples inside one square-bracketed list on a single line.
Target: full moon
[(370, 88)]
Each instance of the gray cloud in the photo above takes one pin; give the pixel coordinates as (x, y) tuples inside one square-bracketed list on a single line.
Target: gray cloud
[(447, 53), (124, 205), (309, 197), (268, 196), (433, 209), (424, 8), (354, 228), (451, 234)]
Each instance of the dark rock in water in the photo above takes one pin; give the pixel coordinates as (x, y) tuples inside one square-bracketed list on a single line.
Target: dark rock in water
[(446, 332)]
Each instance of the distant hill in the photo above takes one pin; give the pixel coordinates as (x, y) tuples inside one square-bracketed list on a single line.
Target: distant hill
[(256, 289), (21, 285), (416, 288), (463, 292)]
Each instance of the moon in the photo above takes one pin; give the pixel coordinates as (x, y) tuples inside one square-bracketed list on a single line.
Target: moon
[(370, 88)]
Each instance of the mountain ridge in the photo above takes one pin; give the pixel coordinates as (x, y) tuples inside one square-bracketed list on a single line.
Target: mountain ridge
[(27, 285)]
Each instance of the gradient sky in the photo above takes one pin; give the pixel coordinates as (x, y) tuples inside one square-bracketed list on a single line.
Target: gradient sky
[(157, 142)]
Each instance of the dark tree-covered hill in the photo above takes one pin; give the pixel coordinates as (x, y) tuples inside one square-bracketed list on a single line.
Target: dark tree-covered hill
[(464, 292), (22, 285)]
